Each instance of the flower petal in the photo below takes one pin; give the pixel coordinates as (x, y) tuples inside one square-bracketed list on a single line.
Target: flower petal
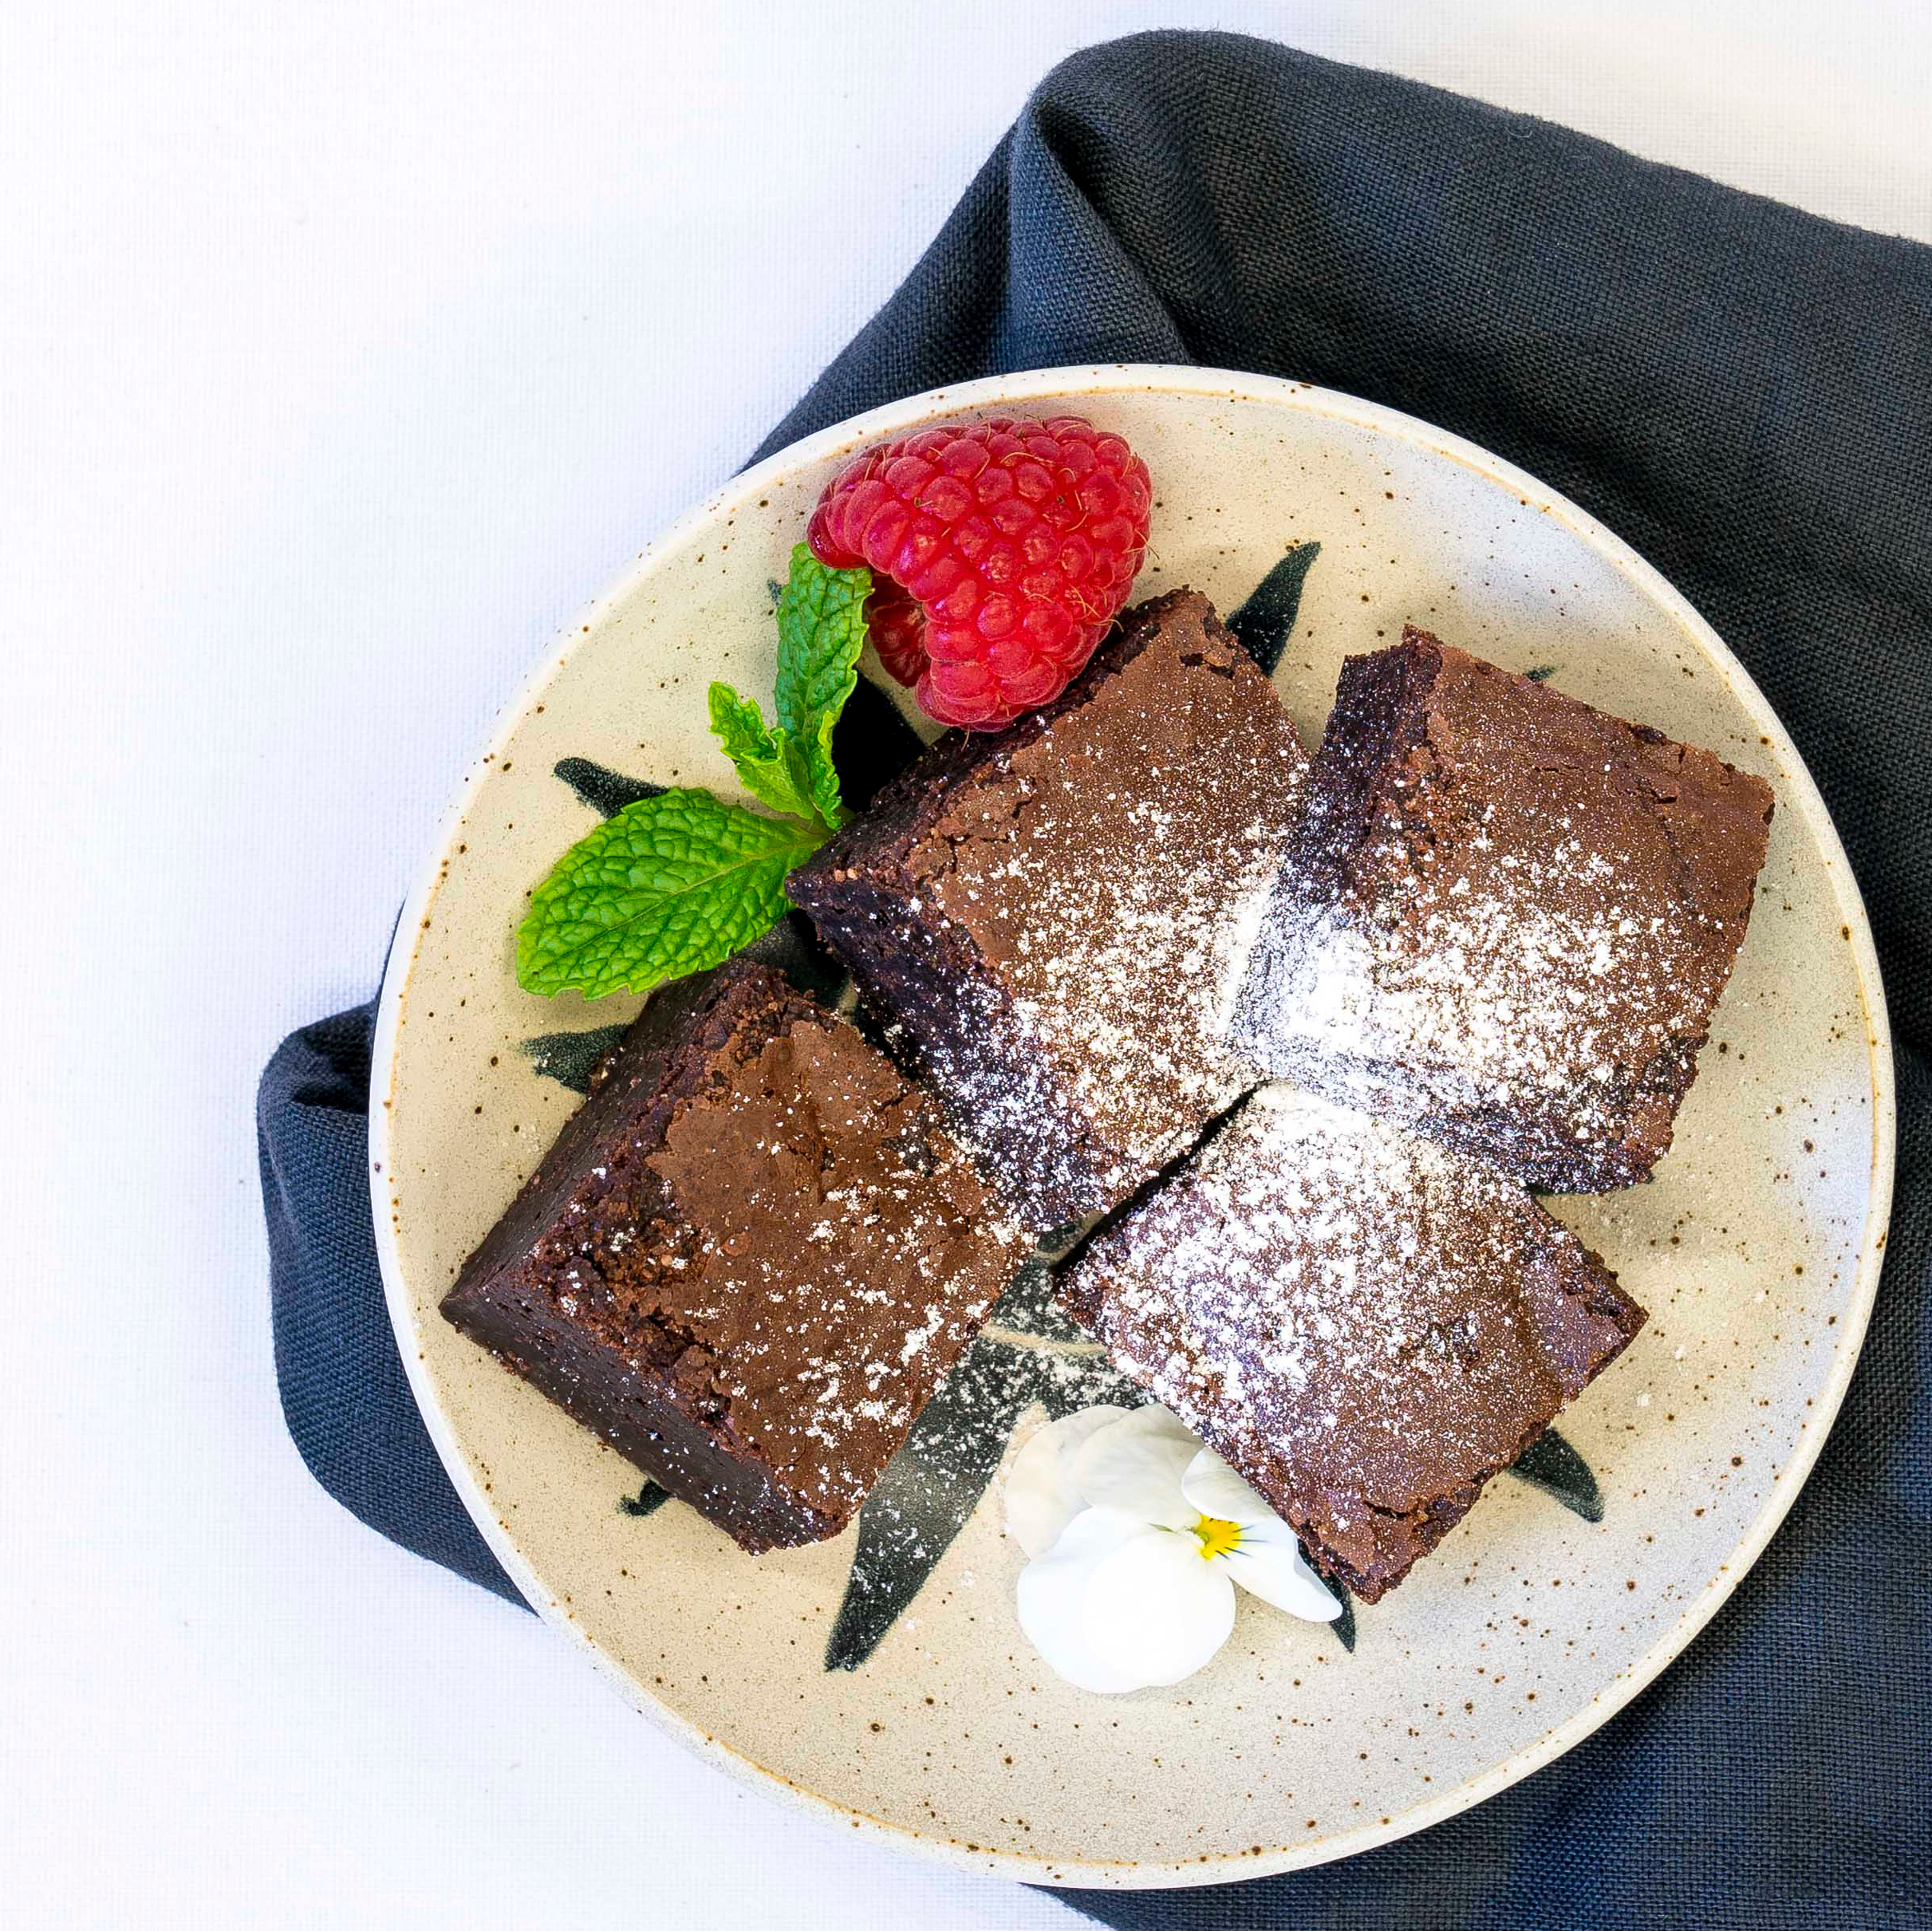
[(1040, 1497), (1135, 1465), (1269, 1564), (1214, 1489), (1154, 1610), (1052, 1597)]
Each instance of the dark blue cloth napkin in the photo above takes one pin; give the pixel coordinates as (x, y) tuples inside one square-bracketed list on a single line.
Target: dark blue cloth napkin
[(1745, 393)]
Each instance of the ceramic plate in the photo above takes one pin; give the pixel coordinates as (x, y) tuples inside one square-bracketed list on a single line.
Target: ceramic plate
[(882, 1678)]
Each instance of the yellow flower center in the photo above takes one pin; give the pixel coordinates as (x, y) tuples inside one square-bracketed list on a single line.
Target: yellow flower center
[(1218, 1536)]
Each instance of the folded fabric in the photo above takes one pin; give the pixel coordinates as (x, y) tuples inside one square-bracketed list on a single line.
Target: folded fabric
[(1745, 393)]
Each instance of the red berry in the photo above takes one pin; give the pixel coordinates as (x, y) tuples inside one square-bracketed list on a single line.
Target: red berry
[(1002, 550)]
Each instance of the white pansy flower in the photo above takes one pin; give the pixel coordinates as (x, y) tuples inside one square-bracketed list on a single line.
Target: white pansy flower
[(1137, 1536)]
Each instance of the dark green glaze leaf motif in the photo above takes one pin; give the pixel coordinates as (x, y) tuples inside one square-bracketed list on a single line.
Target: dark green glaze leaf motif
[(648, 1500), (932, 1486), (1344, 1624), (872, 743), (1549, 1464), (1266, 621), (1028, 1307), (570, 1058), (923, 1499), (605, 791)]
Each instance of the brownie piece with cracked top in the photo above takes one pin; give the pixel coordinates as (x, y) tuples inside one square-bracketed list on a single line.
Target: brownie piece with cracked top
[(749, 1258), (1052, 919), (1367, 1324), (1508, 918)]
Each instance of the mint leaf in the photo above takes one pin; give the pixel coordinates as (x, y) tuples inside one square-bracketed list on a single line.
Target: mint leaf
[(772, 764), (822, 629), (670, 886), (822, 773)]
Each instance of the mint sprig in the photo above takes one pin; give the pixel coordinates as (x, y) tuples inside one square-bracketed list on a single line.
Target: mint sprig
[(677, 883), (822, 629)]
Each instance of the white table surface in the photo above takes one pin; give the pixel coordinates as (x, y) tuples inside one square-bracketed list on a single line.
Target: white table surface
[(344, 350)]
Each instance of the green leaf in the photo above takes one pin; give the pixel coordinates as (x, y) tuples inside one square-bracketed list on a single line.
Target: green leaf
[(670, 886), (772, 765), (822, 773), (822, 629)]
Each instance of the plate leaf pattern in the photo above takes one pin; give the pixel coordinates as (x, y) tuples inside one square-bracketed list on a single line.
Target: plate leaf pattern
[(1549, 1464), (1266, 621), (605, 791), (570, 1058)]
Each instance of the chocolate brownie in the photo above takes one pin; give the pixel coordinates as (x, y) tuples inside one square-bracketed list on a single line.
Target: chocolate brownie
[(748, 1259), (1051, 917), (1508, 918), (1367, 1324)]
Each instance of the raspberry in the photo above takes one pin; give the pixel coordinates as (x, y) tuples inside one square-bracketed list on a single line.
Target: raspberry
[(1002, 550)]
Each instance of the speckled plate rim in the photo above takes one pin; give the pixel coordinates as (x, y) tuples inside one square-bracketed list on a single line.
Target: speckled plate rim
[(1206, 384)]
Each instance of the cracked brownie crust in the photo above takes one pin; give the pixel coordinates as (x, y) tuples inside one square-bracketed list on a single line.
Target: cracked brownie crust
[(747, 1261)]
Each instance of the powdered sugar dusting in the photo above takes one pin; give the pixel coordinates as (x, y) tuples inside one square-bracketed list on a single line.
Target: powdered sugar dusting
[(1111, 873), (1520, 944), (1361, 1321), (1501, 996), (1121, 989)]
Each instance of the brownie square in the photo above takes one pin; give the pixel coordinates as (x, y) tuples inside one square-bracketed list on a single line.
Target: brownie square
[(1366, 1325), (1507, 918), (1052, 918), (749, 1258)]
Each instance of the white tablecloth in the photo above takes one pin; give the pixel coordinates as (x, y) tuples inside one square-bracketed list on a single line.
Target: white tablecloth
[(345, 350)]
